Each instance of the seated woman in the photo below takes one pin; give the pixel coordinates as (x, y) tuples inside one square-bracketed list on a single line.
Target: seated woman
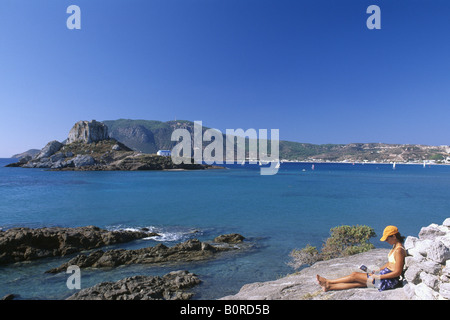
[(389, 273)]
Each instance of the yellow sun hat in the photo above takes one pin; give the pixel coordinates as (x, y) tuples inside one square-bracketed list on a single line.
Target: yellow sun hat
[(389, 231)]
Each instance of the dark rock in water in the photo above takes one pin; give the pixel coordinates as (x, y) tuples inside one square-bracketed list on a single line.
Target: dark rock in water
[(22, 161), (22, 244), (190, 250), (171, 286), (8, 297), (230, 238)]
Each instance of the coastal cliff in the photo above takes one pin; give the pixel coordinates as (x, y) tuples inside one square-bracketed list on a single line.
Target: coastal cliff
[(426, 276), (89, 147), (88, 132)]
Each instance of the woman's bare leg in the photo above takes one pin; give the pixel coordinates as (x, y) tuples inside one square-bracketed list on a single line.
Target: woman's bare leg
[(354, 280)]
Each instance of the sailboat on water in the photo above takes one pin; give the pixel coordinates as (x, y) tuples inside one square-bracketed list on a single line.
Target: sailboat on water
[(393, 166)]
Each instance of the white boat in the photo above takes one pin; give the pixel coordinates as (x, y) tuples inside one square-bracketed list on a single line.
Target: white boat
[(393, 166)]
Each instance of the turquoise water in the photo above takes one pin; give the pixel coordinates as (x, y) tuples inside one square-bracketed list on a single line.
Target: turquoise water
[(276, 213)]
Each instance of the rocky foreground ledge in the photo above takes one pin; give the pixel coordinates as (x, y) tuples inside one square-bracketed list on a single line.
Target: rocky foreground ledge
[(303, 286), (25, 244), (426, 276)]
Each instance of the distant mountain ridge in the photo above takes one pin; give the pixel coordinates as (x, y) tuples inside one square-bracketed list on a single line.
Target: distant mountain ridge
[(149, 136), (31, 153)]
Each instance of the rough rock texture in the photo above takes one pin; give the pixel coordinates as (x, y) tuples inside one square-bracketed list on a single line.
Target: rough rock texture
[(426, 276), (171, 286), (229, 238), (303, 286), (428, 263), (22, 244), (82, 161), (88, 132), (29, 153), (8, 297), (51, 148), (190, 250)]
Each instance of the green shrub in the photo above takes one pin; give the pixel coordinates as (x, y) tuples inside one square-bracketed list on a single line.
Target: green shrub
[(308, 255), (344, 241)]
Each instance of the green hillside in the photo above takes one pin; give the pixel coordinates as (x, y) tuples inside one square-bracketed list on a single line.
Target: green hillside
[(149, 136)]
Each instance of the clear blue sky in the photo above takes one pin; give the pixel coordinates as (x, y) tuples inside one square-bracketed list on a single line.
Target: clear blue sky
[(311, 68)]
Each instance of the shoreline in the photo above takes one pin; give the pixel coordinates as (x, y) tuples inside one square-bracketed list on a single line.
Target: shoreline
[(363, 163), (300, 285), (218, 166), (91, 247)]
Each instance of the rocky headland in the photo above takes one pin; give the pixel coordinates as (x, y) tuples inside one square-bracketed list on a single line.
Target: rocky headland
[(188, 251), (25, 244), (426, 274), (89, 147)]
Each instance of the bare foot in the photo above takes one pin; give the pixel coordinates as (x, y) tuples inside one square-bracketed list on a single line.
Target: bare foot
[(322, 282)]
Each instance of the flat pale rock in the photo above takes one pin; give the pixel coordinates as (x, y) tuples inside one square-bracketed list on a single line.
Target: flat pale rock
[(303, 285)]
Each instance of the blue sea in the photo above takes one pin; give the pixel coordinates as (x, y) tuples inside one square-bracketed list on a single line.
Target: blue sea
[(276, 214)]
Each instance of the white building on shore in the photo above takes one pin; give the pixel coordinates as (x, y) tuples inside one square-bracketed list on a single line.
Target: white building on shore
[(164, 153)]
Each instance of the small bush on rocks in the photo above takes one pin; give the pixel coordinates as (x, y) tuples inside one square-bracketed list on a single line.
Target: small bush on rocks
[(344, 241)]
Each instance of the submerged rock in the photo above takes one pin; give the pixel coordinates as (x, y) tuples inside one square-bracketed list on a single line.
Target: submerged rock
[(171, 286), (22, 244)]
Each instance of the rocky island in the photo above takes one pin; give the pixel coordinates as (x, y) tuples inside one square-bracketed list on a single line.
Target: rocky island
[(89, 147)]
